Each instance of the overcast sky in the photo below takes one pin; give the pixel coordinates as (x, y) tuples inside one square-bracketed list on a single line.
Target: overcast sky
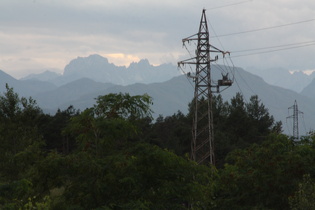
[(36, 35)]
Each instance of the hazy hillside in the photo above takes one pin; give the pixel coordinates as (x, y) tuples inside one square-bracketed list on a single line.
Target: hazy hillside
[(176, 93), (5, 78), (46, 76), (25, 88), (309, 90), (99, 69), (283, 78), (53, 99), (169, 96)]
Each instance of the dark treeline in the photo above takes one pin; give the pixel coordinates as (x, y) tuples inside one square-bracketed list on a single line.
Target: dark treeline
[(114, 156)]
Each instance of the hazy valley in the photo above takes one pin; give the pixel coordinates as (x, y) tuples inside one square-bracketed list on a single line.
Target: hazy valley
[(86, 78)]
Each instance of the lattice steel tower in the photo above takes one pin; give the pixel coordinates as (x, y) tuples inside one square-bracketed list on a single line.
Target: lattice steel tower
[(202, 146), (295, 117)]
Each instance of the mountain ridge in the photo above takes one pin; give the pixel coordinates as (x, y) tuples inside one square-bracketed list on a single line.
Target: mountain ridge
[(281, 77), (169, 96), (99, 69), (26, 88), (176, 93)]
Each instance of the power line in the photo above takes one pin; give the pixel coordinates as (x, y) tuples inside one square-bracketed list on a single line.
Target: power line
[(233, 66), (277, 46), (232, 71), (270, 51), (185, 73), (225, 64), (304, 124), (228, 5), (262, 29), (287, 126)]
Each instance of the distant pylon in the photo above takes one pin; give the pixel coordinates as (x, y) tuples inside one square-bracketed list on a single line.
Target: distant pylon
[(202, 146), (295, 117)]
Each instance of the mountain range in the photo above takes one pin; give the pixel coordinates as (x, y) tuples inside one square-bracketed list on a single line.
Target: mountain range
[(99, 69), (296, 80), (86, 78)]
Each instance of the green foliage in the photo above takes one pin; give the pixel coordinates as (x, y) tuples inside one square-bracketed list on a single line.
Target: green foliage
[(264, 175), (97, 159), (31, 204), (13, 193), (109, 171), (111, 122), (248, 122), (51, 127), (304, 198), (19, 136), (13, 108), (123, 106), (9, 104), (140, 176), (238, 124), (172, 132), (99, 135)]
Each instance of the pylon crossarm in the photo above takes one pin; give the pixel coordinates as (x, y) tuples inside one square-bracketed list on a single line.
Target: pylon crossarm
[(189, 38), (187, 61), (217, 49)]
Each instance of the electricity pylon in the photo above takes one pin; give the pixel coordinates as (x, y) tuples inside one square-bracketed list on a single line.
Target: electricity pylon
[(295, 117), (202, 146)]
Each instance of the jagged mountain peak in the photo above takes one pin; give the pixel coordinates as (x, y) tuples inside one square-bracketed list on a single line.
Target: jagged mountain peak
[(99, 69), (285, 78), (86, 64), (93, 57), (142, 63)]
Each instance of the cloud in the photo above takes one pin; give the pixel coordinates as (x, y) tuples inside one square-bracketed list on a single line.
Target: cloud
[(121, 59), (52, 32)]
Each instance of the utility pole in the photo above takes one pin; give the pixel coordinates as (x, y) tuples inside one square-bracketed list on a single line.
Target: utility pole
[(295, 117), (202, 144)]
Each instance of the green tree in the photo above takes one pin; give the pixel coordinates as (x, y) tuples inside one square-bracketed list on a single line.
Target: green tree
[(172, 132), (123, 106), (304, 198), (138, 176), (110, 123), (51, 127), (264, 176), (239, 124), (20, 147), (261, 121), (110, 171), (19, 137)]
